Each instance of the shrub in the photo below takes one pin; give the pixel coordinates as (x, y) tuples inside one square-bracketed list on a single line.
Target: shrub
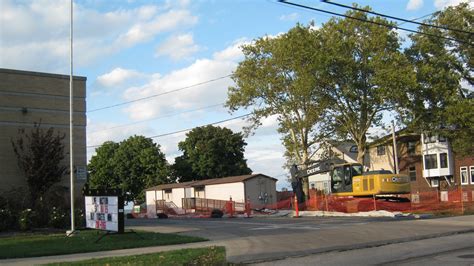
[(58, 218), (216, 213), (27, 219), (5, 219), (130, 216)]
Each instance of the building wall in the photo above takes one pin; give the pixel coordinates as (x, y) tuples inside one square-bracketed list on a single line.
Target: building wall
[(467, 162), (225, 191), (321, 182), (384, 161), (151, 196), (29, 97), (261, 190), (178, 195)]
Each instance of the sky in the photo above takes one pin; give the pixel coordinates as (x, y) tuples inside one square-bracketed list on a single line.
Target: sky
[(134, 49)]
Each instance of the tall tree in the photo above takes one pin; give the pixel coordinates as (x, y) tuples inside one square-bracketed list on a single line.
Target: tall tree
[(279, 77), (132, 165), (440, 103), (366, 73), (39, 155), (211, 152)]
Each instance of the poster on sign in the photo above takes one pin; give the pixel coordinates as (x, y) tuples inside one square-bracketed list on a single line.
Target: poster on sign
[(104, 212)]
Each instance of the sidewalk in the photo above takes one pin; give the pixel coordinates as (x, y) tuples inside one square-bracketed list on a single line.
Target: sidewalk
[(282, 245)]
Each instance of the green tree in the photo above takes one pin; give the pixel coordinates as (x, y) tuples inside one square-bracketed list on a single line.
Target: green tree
[(211, 152), (132, 165), (279, 77), (366, 74), (39, 155), (439, 103)]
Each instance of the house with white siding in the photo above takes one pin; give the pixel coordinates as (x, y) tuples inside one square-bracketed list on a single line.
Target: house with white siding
[(258, 189)]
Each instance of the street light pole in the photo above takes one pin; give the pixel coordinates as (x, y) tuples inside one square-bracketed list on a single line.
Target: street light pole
[(71, 129)]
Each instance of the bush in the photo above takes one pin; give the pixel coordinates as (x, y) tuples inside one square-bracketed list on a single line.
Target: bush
[(216, 213), (58, 218), (5, 219), (27, 220), (129, 216), (162, 216)]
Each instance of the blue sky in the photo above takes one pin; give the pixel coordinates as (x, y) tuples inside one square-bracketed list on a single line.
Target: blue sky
[(133, 49)]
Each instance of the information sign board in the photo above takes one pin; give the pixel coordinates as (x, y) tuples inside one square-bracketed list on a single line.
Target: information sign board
[(104, 210)]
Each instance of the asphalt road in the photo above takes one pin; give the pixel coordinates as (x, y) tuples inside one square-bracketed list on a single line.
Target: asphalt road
[(266, 240)]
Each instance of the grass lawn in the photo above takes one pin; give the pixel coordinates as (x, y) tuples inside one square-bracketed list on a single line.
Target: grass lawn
[(56, 244), (198, 256)]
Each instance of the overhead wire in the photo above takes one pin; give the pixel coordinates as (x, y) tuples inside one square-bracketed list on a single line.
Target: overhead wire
[(185, 130), (158, 94), (396, 18), (157, 118), (372, 22)]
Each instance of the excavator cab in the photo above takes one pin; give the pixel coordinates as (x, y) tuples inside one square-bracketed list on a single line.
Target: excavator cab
[(341, 177)]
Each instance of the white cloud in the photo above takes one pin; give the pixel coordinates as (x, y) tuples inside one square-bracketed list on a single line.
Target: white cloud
[(414, 4), (118, 77), (289, 17), (440, 4), (35, 34), (221, 64), (142, 32), (177, 47)]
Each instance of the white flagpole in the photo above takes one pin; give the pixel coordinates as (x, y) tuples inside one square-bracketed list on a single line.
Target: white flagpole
[(71, 139)]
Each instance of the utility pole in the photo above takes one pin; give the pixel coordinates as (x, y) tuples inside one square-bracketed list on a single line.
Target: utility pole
[(395, 153), (71, 129)]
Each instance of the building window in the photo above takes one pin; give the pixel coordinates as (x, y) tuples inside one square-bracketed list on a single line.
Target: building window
[(472, 174), (431, 161), (443, 160), (441, 138), (463, 173), (411, 147), (412, 173), (434, 182), (354, 149), (381, 150)]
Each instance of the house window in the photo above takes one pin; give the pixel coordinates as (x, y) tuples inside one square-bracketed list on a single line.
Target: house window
[(431, 161), (441, 138), (354, 149), (463, 173), (443, 160), (412, 173), (411, 147), (434, 182), (381, 150), (472, 174)]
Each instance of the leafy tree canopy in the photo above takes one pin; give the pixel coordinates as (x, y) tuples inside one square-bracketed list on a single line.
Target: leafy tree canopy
[(131, 165), (443, 99), (210, 152)]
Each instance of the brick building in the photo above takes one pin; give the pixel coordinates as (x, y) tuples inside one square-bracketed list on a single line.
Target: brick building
[(32, 97)]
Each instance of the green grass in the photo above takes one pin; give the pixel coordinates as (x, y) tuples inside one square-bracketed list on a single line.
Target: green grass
[(57, 244), (197, 256)]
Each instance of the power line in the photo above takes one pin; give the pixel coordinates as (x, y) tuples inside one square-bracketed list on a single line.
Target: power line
[(418, 18), (397, 18), (372, 22), (185, 130), (159, 94), (156, 118)]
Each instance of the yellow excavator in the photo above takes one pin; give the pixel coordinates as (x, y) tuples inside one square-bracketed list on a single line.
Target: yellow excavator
[(349, 179)]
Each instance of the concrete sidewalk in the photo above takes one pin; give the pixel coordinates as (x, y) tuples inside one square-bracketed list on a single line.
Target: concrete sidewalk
[(284, 245)]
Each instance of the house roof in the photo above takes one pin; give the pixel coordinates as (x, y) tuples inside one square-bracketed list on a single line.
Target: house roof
[(213, 181), (172, 185), (400, 134)]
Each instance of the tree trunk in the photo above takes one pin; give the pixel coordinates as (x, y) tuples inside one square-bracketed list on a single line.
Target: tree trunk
[(361, 143)]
